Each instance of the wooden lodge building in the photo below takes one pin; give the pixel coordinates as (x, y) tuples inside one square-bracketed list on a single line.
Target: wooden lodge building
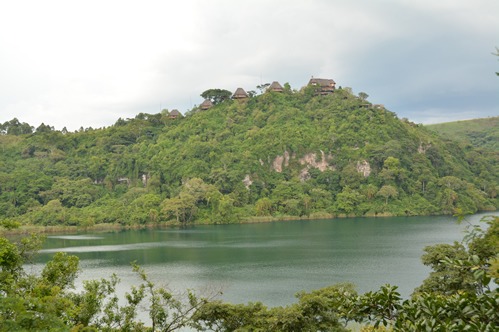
[(326, 86)]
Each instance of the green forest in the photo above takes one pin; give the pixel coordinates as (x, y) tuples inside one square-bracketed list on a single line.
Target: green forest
[(276, 155)]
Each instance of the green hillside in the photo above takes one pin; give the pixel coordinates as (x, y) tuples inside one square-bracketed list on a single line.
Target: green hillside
[(478, 132), (276, 155)]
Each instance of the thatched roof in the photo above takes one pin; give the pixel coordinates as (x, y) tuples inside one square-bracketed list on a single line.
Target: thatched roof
[(174, 114), (206, 104), (240, 94), (324, 82), (275, 86)]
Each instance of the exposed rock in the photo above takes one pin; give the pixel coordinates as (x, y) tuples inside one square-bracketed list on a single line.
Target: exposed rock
[(277, 164), (281, 161), (261, 162), (364, 168), (286, 158), (145, 179), (247, 181), (304, 174), (310, 159), (423, 147), (124, 180)]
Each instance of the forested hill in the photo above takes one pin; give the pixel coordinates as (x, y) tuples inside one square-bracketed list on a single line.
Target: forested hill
[(478, 132), (273, 155)]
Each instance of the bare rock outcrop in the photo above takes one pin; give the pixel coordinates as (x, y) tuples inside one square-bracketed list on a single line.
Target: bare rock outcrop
[(423, 147), (364, 168), (280, 162), (304, 174), (310, 159), (247, 181)]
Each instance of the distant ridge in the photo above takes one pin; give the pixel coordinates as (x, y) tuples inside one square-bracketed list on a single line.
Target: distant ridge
[(481, 133)]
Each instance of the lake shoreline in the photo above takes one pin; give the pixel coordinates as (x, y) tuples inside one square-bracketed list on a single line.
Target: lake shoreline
[(116, 227)]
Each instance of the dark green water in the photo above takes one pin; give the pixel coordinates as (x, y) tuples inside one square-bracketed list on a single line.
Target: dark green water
[(266, 262)]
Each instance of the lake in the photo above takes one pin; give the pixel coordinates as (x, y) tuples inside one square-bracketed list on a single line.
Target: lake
[(266, 262)]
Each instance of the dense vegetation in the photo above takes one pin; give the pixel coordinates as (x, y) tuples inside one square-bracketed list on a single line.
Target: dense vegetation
[(457, 296), (275, 155), (482, 133)]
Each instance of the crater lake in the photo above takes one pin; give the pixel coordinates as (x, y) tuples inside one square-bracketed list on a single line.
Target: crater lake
[(267, 262)]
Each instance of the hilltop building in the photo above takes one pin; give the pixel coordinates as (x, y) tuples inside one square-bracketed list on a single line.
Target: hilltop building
[(276, 87), (326, 86), (174, 114), (240, 94), (206, 104)]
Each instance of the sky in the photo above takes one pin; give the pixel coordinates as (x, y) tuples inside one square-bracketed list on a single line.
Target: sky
[(87, 63)]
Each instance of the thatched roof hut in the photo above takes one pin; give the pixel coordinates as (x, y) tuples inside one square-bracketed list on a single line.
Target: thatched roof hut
[(326, 85), (174, 114), (276, 87), (206, 104), (240, 94)]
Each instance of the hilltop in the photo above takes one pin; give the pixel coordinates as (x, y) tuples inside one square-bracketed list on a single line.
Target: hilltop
[(281, 154), (483, 133)]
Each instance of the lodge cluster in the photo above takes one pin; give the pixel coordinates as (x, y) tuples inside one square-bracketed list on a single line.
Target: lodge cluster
[(325, 86)]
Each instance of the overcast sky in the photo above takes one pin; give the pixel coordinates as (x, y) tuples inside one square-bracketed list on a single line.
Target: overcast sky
[(88, 63)]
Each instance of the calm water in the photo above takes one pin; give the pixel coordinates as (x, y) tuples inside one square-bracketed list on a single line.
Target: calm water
[(266, 262)]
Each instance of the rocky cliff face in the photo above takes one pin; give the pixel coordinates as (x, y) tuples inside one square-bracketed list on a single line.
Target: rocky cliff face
[(309, 160)]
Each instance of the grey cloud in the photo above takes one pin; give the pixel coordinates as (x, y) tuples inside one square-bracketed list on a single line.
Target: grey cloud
[(418, 58)]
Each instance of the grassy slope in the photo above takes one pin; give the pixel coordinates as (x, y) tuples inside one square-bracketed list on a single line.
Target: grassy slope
[(478, 132)]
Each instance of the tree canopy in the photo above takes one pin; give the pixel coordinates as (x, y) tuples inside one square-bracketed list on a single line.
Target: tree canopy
[(216, 95)]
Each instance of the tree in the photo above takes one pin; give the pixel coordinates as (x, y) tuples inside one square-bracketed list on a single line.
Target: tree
[(43, 128), (46, 302), (320, 199), (251, 93), (445, 279), (222, 208), (263, 87), (387, 191), (15, 127), (61, 271), (463, 267), (182, 207), (28, 302), (347, 200), (263, 207), (363, 96), (315, 311), (216, 95), (167, 311), (369, 191), (392, 171)]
